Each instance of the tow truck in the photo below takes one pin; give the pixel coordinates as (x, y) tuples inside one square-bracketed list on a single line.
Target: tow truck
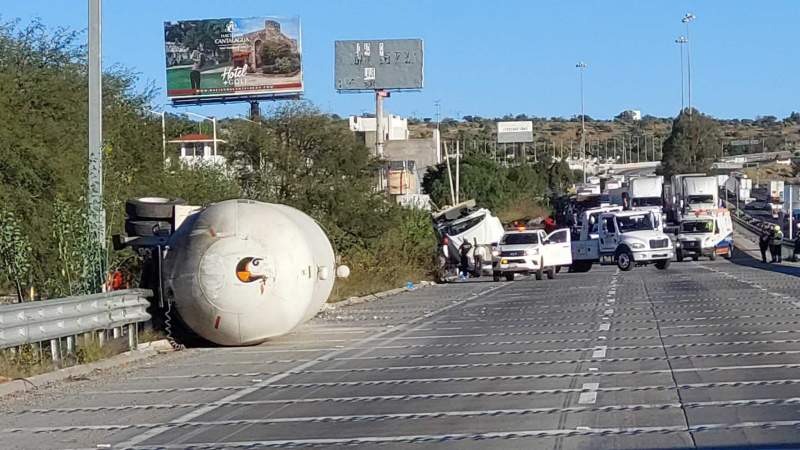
[(624, 238)]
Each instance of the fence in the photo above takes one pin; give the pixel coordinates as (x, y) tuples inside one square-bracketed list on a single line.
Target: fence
[(65, 318), (624, 149)]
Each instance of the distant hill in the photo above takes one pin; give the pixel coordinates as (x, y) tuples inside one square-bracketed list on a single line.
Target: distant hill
[(772, 134)]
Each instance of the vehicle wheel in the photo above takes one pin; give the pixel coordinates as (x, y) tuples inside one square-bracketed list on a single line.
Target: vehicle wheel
[(147, 228), (558, 269), (510, 276), (153, 208), (551, 273), (624, 260), (729, 255), (713, 255), (663, 264), (539, 274), (496, 276), (679, 256), (695, 257)]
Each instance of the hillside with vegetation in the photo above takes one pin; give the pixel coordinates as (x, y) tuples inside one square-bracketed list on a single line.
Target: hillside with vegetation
[(773, 134)]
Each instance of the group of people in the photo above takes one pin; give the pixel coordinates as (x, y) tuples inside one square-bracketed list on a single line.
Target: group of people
[(771, 239)]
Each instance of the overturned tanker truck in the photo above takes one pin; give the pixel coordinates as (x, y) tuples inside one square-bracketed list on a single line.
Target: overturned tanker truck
[(236, 272)]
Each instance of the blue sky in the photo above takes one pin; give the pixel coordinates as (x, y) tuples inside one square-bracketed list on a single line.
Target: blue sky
[(494, 58)]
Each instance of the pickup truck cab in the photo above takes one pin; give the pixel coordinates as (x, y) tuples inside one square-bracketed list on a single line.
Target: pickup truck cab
[(624, 238), (707, 233), (532, 251)]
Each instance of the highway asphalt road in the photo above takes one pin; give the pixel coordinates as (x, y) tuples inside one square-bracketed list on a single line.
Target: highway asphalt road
[(703, 354)]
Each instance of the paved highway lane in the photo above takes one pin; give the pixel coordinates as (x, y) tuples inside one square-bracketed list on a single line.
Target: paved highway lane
[(706, 353)]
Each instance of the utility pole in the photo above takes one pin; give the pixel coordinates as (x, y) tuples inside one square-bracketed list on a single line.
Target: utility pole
[(688, 18), (681, 41), (97, 216), (163, 136), (581, 66)]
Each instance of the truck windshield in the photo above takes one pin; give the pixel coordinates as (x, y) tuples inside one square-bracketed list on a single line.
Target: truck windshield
[(461, 227), (520, 238), (634, 223), (698, 199), (646, 201), (697, 226)]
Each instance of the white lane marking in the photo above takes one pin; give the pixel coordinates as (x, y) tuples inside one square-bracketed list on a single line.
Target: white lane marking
[(600, 351), (604, 327), (611, 300), (137, 439), (588, 398), (608, 312), (484, 436)]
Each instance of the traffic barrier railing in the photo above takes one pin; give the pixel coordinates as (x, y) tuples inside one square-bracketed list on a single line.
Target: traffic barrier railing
[(52, 320)]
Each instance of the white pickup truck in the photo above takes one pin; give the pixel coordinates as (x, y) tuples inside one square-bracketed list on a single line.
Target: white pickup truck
[(624, 238), (532, 251)]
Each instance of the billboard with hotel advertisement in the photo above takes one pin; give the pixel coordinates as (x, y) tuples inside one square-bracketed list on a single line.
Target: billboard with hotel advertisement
[(233, 59)]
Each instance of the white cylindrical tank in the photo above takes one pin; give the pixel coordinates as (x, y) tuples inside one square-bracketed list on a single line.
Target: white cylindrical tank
[(241, 271)]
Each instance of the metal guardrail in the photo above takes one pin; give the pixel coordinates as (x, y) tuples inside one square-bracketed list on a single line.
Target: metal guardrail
[(49, 320), (752, 224)]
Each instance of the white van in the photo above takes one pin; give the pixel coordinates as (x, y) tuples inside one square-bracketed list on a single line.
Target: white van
[(705, 233)]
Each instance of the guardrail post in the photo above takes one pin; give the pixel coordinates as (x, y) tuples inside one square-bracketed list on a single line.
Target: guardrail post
[(70, 344), (116, 332), (133, 338), (101, 337), (54, 350)]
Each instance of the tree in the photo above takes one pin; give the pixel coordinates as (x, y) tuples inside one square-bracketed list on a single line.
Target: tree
[(15, 253), (693, 144)]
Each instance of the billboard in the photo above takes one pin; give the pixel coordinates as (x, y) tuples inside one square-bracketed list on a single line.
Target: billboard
[(233, 59), (511, 132), (378, 64)]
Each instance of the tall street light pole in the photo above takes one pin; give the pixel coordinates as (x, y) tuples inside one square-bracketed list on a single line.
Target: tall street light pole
[(581, 66), (681, 41), (97, 215), (687, 19)]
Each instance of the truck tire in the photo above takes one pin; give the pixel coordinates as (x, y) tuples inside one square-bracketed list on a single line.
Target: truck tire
[(679, 256), (510, 276), (152, 208), (713, 255), (558, 269), (551, 273), (663, 264), (624, 260), (695, 257), (539, 274), (147, 228), (729, 255), (496, 276)]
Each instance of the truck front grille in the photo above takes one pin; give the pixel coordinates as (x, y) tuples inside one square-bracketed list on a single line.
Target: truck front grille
[(659, 243)]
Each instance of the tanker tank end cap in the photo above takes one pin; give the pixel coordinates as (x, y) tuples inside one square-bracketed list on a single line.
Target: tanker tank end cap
[(342, 272)]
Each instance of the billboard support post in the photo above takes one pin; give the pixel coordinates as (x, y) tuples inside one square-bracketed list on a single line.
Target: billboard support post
[(379, 94), (255, 112)]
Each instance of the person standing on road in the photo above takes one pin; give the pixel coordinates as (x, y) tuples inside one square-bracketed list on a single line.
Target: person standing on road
[(796, 248), (463, 251), (764, 241), (777, 241)]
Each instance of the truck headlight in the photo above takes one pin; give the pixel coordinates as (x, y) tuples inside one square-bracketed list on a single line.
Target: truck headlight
[(533, 252), (637, 245)]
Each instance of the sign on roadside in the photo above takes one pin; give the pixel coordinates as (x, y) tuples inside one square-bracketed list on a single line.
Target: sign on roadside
[(232, 59), (514, 132), (378, 64)]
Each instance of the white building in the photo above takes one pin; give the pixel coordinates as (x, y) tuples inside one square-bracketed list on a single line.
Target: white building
[(395, 128), (199, 149)]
